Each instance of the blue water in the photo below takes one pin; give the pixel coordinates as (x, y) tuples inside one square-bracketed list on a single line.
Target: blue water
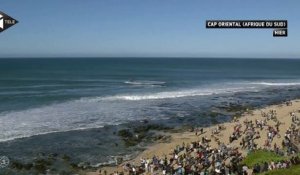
[(40, 96)]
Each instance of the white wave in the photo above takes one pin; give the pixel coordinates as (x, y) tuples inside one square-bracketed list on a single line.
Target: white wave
[(94, 112), (276, 83), (176, 94), (68, 116), (145, 82), (90, 112), (24, 135)]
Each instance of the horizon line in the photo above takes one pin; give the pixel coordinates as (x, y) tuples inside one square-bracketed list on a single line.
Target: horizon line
[(144, 57)]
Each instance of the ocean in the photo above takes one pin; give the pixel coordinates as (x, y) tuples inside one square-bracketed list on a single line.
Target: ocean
[(70, 105)]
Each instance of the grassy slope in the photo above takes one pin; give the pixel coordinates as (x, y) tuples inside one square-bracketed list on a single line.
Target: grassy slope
[(261, 156), (294, 170)]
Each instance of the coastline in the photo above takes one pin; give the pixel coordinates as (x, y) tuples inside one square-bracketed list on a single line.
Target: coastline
[(161, 149)]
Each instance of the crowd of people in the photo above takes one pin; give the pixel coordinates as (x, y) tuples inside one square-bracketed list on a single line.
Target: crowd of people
[(200, 158), (193, 158)]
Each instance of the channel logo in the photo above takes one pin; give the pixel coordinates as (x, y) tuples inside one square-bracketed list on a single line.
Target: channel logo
[(1, 21), (6, 21)]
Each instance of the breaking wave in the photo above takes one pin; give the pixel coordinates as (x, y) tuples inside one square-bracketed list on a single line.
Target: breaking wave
[(175, 94), (276, 83), (94, 112), (145, 82)]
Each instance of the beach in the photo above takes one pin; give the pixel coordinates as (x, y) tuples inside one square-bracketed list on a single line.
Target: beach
[(152, 88), (92, 112), (283, 115)]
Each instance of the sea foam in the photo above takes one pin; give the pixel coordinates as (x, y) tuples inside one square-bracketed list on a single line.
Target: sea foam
[(94, 112)]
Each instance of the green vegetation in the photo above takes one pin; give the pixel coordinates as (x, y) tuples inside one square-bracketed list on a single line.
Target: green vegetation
[(294, 170), (236, 108), (261, 156), (129, 138), (146, 128), (54, 163), (137, 134)]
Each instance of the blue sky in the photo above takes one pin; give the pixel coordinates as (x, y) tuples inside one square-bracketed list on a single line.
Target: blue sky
[(148, 28)]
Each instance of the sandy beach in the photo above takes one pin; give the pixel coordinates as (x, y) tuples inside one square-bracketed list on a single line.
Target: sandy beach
[(283, 113)]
